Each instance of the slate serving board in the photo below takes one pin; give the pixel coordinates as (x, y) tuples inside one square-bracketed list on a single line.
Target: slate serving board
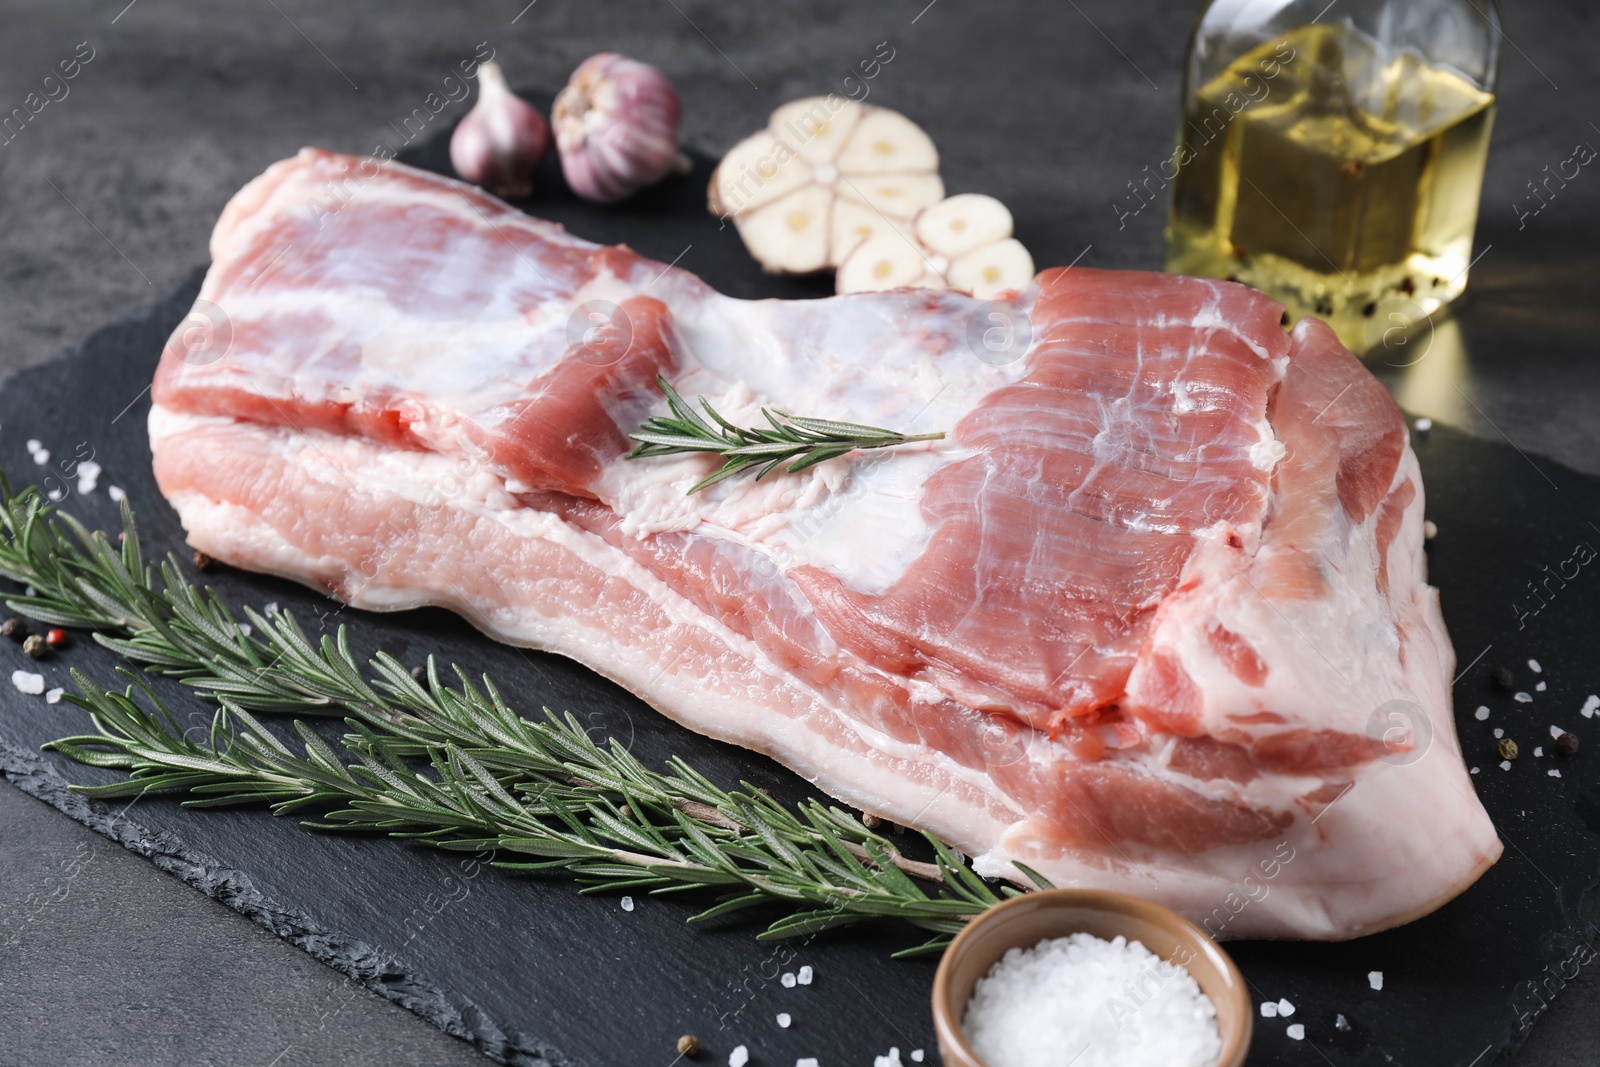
[(533, 973)]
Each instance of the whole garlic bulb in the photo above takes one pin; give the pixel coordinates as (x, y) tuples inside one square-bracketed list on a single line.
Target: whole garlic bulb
[(616, 126), (502, 140)]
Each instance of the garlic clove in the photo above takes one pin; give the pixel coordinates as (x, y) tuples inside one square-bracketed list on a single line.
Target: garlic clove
[(961, 223), (755, 175), (899, 196), (987, 272), (885, 141), (855, 222), (817, 126), (616, 127), (500, 143), (795, 227), (883, 261)]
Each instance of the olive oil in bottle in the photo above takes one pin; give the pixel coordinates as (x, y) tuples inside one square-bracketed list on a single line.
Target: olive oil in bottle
[(1338, 175)]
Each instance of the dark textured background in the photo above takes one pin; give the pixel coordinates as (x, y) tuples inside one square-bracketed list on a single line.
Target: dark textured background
[(107, 199)]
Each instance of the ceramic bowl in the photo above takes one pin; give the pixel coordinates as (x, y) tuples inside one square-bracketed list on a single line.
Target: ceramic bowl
[(1025, 920)]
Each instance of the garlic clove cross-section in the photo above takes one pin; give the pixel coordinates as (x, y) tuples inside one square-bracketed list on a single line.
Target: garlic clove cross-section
[(963, 243), (825, 175)]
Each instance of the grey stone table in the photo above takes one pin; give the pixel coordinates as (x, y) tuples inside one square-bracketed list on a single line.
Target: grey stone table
[(108, 194)]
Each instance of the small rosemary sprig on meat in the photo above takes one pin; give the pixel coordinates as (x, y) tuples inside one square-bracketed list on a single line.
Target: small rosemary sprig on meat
[(448, 764), (806, 442)]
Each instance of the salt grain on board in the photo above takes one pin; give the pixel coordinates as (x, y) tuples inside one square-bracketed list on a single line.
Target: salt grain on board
[(116, 494), (1505, 765), (1552, 772), (804, 977), (1523, 698), (807, 1061), (1533, 665), (1556, 731), (1296, 1032), (1590, 706), (1341, 1023), (627, 903), (890, 1060), (42, 456), (739, 1057), (1285, 1009), (1541, 687), (34, 444), (787, 980), (1269, 1009), (54, 696), (1538, 750), (1499, 733), (1482, 713), (1065, 994), (916, 1055), (1375, 979), (784, 1019), (28, 682)]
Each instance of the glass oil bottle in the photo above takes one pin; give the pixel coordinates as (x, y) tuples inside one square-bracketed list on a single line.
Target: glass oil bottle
[(1335, 162)]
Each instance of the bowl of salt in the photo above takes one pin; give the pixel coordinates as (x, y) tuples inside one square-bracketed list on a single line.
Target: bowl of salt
[(1092, 979)]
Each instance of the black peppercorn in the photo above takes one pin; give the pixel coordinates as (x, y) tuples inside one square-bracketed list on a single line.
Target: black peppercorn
[(419, 673), (1567, 744), (15, 629), (202, 562)]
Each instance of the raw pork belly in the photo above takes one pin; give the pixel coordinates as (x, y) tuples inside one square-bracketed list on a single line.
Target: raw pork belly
[(1152, 617)]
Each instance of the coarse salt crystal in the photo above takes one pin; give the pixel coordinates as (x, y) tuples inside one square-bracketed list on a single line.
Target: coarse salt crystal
[(1552, 772), (1505, 765), (807, 1061), (627, 903), (1538, 750), (787, 981), (42, 456), (1341, 1023), (891, 1060), (116, 494), (1423, 425), (53, 696), (1473, 771), (1070, 993), (1296, 1031), (805, 975), (1533, 665), (28, 682), (1541, 687), (89, 469), (244, 628), (1269, 1009), (1499, 733), (784, 1019), (1482, 713), (1285, 1009), (916, 1055), (739, 1057), (1590, 706), (1556, 731), (1375, 979), (1523, 698), (34, 444)]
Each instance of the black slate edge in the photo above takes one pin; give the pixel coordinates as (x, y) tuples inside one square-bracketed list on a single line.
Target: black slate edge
[(383, 975)]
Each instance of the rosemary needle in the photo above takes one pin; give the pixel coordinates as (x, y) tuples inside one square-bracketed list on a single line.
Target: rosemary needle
[(800, 442), (448, 763)]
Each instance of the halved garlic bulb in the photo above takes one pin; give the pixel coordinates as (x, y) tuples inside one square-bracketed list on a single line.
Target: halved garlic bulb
[(826, 175), (962, 243)]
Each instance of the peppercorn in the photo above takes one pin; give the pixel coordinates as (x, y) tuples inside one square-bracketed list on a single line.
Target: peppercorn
[(419, 673), (1503, 678), (202, 562), (55, 638), (35, 646), (15, 629), (1567, 744), (688, 1045), (870, 821), (1508, 748)]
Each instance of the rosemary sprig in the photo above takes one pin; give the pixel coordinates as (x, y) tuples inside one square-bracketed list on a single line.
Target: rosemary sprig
[(452, 765), (806, 442)]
